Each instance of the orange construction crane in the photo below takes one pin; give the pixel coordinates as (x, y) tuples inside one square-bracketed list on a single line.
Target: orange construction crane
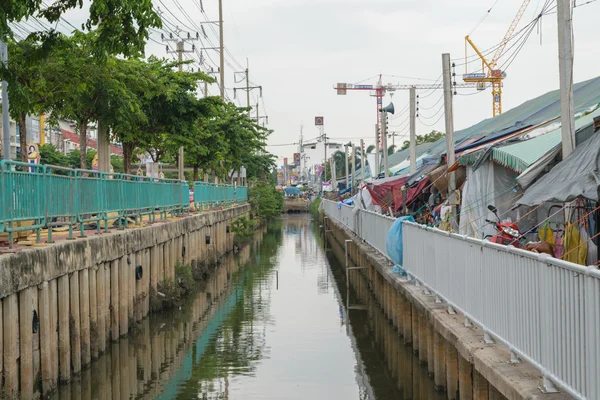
[(490, 74)]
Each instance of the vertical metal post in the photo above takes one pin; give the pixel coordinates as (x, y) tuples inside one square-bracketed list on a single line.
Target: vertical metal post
[(248, 85), (221, 51), (385, 149), (363, 165), (5, 115), (413, 130), (448, 112), (353, 180), (180, 173), (346, 162), (565, 65), (377, 150)]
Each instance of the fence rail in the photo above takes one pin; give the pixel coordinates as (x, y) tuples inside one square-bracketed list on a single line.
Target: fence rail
[(34, 196), (210, 195), (544, 309)]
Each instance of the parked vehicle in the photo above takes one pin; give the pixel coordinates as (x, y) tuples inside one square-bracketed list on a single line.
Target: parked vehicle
[(508, 232)]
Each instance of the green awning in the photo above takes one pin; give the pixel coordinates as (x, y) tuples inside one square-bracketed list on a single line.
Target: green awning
[(519, 156)]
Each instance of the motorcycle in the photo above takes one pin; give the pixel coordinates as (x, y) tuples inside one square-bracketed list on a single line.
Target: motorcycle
[(508, 232)]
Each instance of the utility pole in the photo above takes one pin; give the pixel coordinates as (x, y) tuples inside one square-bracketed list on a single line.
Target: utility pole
[(383, 118), (346, 161), (377, 149), (413, 130), (208, 72), (221, 51), (353, 166), (247, 88), (362, 160), (180, 50), (448, 113), (565, 64), (5, 116)]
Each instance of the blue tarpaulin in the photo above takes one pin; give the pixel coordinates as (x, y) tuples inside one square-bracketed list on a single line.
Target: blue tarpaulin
[(393, 241)]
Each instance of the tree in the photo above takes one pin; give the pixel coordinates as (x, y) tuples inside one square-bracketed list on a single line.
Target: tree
[(265, 200), (370, 148), (49, 155), (172, 110), (123, 26), (431, 137), (26, 86), (391, 150)]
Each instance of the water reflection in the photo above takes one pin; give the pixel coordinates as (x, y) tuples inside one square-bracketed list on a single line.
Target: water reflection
[(270, 323)]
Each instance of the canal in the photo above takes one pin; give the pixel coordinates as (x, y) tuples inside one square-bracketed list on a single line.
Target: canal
[(269, 323)]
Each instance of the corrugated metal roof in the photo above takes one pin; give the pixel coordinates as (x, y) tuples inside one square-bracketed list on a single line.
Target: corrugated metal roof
[(519, 156), (532, 112)]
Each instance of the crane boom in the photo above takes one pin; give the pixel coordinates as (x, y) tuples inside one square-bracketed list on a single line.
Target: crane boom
[(509, 33), (493, 75)]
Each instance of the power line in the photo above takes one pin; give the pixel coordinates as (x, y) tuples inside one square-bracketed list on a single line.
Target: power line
[(434, 115)]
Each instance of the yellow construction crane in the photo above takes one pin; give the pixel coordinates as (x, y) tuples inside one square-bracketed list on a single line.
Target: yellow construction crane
[(489, 72)]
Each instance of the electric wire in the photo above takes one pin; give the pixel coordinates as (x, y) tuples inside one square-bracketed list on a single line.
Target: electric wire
[(434, 115), (435, 123), (433, 106)]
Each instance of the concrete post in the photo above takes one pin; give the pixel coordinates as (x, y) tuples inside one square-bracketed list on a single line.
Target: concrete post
[(465, 379), (64, 333), (138, 259), (93, 312), (75, 323), (122, 298), (10, 316), (154, 266), (108, 302), (47, 364), (25, 341), (439, 361), (101, 304), (117, 307), (480, 386), (430, 362), (415, 329), (84, 317), (147, 278), (451, 372), (423, 324), (53, 330), (407, 322)]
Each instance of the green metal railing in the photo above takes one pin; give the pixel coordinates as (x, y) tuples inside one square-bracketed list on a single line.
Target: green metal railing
[(49, 197), (35, 197), (211, 195)]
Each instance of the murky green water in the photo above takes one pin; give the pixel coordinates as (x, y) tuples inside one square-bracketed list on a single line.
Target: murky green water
[(271, 323)]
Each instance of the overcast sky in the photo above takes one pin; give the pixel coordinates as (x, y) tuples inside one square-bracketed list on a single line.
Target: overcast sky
[(299, 49)]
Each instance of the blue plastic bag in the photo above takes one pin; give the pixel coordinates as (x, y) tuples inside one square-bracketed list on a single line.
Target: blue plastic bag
[(393, 241)]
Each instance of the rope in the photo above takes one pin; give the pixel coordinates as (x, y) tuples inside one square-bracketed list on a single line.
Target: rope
[(575, 248), (538, 225)]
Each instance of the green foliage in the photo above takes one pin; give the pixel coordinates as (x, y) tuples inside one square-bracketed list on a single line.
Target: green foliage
[(431, 137), (50, 156), (314, 207), (243, 229), (266, 201), (146, 105), (122, 26), (370, 149), (117, 164), (183, 278)]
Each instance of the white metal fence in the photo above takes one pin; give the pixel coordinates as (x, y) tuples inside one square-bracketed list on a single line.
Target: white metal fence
[(545, 310), (369, 226)]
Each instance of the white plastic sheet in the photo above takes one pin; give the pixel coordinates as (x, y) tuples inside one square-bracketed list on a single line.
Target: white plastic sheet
[(490, 184)]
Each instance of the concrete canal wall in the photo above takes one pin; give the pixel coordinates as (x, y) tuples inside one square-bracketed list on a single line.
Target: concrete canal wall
[(61, 305), (456, 356)]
